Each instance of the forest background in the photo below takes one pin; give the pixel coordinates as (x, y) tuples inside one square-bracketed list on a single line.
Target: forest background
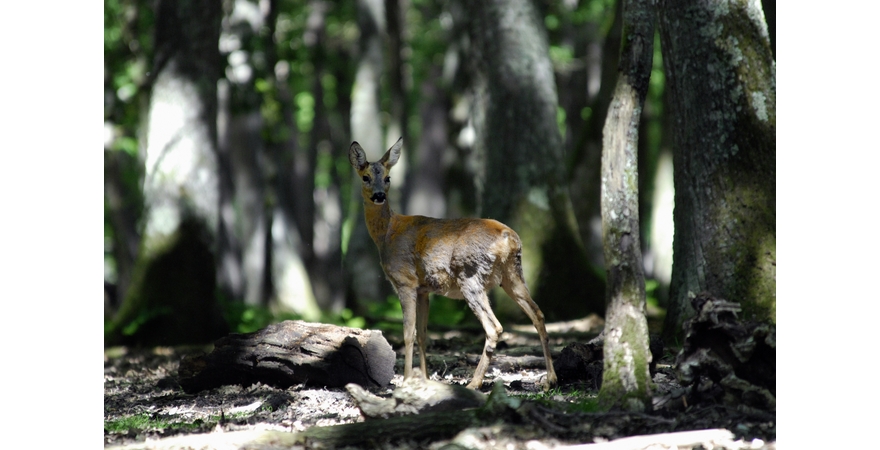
[(229, 200), (56, 238)]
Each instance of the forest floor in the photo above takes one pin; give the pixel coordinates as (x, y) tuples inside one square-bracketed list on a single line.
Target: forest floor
[(144, 406)]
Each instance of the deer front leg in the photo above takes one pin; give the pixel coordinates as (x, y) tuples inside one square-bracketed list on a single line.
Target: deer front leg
[(479, 304), (422, 308), (408, 305)]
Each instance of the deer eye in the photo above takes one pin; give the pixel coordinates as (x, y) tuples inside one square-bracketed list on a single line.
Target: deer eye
[(387, 179), (366, 179)]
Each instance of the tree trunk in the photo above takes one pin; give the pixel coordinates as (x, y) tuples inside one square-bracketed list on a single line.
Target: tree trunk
[(398, 70), (426, 190), (722, 80), (291, 178), (175, 277), (181, 143), (243, 213), (364, 274), (585, 161), (123, 208), (243, 224), (522, 180), (324, 259), (626, 381)]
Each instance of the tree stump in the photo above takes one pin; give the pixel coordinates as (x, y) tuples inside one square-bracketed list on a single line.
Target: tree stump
[(290, 353)]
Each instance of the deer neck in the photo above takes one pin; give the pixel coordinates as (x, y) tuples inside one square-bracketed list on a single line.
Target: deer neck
[(378, 219)]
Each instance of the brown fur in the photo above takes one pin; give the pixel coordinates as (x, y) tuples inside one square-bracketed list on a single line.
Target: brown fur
[(457, 258)]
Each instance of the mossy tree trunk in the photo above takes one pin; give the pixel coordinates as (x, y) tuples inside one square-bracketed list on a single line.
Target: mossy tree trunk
[(722, 81), (626, 380), (522, 181)]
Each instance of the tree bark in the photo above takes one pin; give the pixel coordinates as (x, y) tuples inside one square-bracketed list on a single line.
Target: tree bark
[(293, 352), (123, 209), (398, 70), (174, 279), (522, 179), (181, 143), (626, 380), (722, 80)]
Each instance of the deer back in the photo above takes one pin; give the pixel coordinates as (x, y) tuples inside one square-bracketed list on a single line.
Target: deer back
[(447, 255)]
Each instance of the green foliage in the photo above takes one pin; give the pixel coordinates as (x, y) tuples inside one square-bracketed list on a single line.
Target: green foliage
[(305, 110), (128, 47), (324, 168), (244, 318), (561, 54), (143, 317), (386, 316), (651, 286), (445, 312), (586, 404), (286, 67), (570, 401), (560, 120), (346, 318), (448, 312), (139, 423)]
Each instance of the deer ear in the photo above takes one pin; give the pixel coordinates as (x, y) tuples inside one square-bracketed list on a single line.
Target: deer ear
[(393, 154), (357, 157)]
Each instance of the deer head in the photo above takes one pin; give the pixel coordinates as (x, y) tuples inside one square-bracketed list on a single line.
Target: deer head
[(376, 176)]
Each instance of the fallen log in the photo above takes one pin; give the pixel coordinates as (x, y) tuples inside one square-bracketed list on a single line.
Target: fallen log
[(291, 353)]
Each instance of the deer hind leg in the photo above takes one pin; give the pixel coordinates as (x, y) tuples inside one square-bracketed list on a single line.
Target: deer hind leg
[(479, 304), (516, 288), (422, 308)]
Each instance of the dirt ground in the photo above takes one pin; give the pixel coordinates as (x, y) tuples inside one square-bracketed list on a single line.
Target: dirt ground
[(144, 405)]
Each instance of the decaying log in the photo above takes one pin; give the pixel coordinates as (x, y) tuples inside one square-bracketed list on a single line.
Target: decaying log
[(724, 357), (416, 395), (290, 353)]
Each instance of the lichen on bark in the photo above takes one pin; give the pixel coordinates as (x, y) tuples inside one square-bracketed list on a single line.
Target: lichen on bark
[(626, 380), (721, 78)]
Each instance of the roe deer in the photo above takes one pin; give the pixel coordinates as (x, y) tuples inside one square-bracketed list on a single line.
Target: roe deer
[(457, 258)]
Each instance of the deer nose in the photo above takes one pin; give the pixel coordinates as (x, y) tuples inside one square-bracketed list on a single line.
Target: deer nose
[(378, 198)]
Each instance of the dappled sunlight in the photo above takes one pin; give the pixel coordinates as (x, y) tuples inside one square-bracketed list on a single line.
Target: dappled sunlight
[(236, 198)]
